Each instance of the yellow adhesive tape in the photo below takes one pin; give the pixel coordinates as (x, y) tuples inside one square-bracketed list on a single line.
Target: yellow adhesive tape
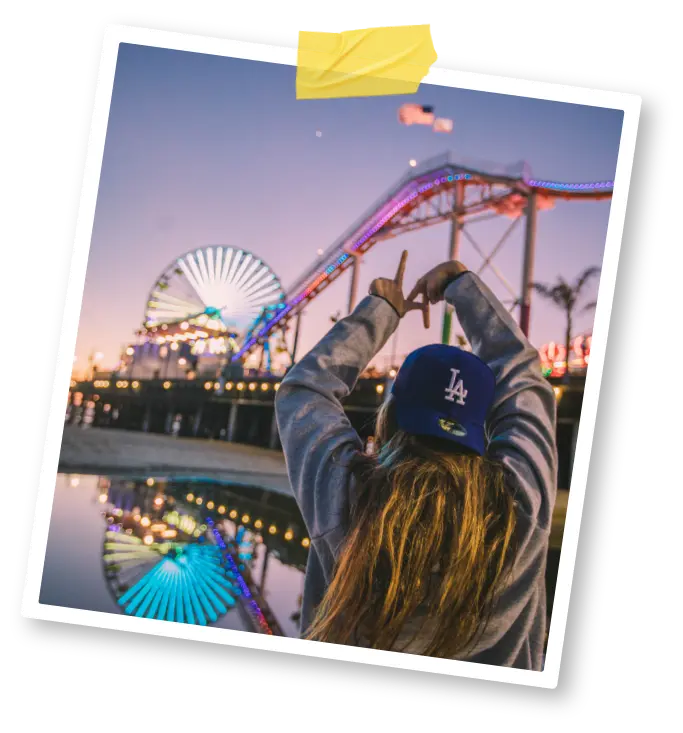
[(364, 63)]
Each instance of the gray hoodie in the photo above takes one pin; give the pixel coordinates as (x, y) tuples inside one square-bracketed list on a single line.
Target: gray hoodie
[(318, 441)]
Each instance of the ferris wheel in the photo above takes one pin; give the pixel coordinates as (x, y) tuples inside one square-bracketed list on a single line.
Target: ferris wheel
[(229, 285), (171, 581)]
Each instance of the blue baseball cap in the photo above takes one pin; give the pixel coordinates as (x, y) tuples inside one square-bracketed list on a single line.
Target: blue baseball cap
[(444, 392)]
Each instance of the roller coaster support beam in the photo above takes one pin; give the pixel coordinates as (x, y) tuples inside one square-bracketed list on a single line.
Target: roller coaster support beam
[(296, 337), (528, 271), (457, 223), (264, 569), (355, 271)]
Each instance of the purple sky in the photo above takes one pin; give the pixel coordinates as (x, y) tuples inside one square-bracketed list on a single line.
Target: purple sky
[(204, 150)]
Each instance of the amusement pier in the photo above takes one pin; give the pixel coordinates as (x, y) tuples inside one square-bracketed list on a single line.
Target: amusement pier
[(182, 433)]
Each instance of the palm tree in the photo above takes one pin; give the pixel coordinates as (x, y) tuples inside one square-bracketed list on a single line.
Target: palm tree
[(566, 296)]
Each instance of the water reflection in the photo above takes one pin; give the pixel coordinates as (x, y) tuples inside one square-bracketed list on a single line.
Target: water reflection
[(168, 580), (187, 551)]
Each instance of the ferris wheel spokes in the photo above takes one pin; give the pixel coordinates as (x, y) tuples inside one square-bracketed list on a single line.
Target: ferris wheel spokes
[(168, 306), (218, 281)]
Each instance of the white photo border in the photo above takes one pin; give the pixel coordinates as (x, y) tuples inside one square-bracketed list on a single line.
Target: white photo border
[(32, 608)]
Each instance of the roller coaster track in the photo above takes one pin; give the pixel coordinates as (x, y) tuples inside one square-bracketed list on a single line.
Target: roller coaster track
[(423, 197)]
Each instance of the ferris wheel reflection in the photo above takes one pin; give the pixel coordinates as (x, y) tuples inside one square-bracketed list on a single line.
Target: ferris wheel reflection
[(184, 551)]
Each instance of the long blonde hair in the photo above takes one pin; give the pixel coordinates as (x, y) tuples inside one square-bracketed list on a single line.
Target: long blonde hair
[(431, 536)]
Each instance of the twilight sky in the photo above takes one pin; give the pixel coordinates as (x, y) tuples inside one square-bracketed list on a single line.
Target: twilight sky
[(204, 150)]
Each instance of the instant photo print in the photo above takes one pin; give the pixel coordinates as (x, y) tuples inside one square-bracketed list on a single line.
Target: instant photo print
[(265, 236)]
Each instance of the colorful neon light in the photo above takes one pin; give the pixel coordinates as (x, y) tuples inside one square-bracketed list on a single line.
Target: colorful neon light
[(254, 608), (556, 186), (554, 356), (245, 546)]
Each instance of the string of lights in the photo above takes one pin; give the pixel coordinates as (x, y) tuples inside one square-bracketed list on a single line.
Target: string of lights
[(245, 519), (254, 608), (557, 186)]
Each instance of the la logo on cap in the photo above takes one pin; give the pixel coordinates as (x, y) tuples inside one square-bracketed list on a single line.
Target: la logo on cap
[(456, 389)]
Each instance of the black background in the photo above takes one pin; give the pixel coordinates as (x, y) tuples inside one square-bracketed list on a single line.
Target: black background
[(48, 88)]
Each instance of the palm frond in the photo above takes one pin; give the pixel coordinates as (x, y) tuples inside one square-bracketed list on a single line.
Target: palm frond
[(583, 278), (556, 293), (543, 289)]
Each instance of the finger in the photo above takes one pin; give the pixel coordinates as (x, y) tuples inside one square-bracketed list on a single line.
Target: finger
[(401, 268), (419, 288), (432, 293), (423, 306)]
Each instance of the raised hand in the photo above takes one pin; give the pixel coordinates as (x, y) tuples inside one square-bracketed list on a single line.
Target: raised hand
[(433, 285), (392, 292)]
